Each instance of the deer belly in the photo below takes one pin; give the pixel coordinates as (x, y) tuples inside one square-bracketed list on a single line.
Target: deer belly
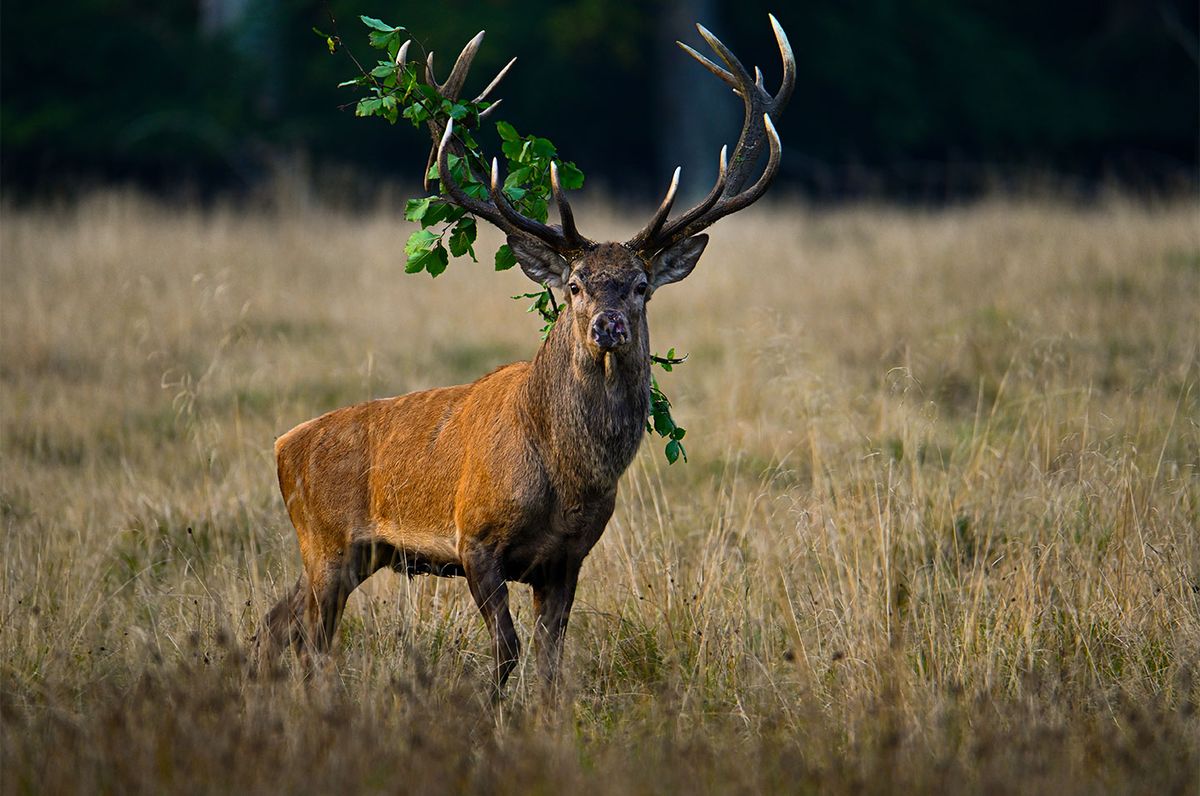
[(420, 550)]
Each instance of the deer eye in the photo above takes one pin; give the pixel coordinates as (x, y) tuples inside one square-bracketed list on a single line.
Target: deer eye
[(574, 288), (640, 289)]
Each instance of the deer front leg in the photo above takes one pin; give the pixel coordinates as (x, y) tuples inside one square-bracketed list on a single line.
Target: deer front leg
[(552, 601), (491, 595)]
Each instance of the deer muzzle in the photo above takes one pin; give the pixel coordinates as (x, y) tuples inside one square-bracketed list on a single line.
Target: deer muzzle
[(610, 329)]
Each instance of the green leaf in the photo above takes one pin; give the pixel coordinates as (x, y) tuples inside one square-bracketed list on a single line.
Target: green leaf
[(507, 132), (439, 262), (512, 149), (475, 190), (462, 237), (536, 208), (421, 241), (437, 212), (389, 41), (371, 22), (569, 176), (442, 212), (458, 168), (417, 114), (673, 451), (369, 107), (384, 69), (389, 108), (542, 148), (415, 263), (434, 260), (518, 177), (663, 425), (505, 259), (415, 209)]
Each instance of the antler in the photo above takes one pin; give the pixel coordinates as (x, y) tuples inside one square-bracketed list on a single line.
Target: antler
[(497, 210), (730, 193)]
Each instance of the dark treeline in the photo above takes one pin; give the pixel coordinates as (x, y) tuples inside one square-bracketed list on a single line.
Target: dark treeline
[(917, 99)]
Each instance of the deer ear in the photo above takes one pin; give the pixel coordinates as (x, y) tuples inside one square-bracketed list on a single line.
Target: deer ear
[(539, 262), (678, 261)]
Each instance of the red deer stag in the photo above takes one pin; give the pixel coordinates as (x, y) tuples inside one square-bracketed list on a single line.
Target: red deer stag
[(514, 476)]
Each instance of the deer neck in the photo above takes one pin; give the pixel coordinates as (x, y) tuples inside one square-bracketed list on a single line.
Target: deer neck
[(587, 414)]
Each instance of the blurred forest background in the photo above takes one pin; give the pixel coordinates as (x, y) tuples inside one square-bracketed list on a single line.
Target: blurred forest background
[(920, 100)]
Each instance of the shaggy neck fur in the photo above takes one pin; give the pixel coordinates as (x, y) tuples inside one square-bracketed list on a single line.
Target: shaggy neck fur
[(587, 413)]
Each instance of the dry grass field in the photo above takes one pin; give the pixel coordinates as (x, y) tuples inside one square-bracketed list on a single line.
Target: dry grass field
[(938, 531)]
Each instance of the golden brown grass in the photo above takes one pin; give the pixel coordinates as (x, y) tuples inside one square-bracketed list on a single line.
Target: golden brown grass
[(938, 531)]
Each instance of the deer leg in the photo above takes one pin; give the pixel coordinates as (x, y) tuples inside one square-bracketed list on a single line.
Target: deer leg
[(325, 599), (552, 603), (280, 628), (491, 595), (318, 604)]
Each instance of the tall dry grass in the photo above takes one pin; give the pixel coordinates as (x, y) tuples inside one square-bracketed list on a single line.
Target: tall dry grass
[(938, 530)]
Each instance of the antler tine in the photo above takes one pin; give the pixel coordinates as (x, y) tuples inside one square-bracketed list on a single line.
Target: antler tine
[(486, 112), (402, 53), (458, 75), (710, 66), (789, 65), (547, 234), (429, 78), (660, 216), (735, 66), (669, 231), (570, 231), (495, 82)]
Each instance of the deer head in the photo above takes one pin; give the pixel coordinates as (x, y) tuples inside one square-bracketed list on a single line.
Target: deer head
[(606, 288)]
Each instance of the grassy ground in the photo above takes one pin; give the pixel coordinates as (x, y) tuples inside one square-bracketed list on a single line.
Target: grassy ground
[(938, 530)]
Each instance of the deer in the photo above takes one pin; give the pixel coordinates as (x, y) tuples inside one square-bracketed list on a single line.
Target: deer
[(513, 477)]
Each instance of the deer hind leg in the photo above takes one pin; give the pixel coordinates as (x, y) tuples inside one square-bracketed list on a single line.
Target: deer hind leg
[(280, 628), (329, 585), (491, 595)]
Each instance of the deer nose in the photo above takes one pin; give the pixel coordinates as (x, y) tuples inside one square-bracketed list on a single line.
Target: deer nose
[(610, 329)]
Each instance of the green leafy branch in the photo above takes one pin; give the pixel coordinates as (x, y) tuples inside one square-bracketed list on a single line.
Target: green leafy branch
[(660, 420), (544, 305), (396, 91)]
